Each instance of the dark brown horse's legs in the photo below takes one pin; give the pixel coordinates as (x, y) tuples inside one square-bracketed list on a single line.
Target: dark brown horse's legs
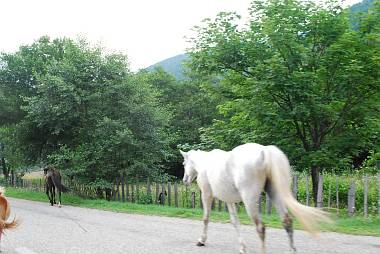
[(59, 197), (49, 195)]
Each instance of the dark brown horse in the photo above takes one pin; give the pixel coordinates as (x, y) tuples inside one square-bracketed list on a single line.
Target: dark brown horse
[(53, 181)]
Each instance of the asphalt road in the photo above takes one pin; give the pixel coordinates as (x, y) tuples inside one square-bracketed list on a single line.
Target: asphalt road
[(50, 230)]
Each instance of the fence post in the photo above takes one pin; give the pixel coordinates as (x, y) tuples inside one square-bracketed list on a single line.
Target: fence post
[(127, 198), (378, 202), (157, 192), (175, 194), (365, 196), (295, 186), (149, 190), (113, 192), (132, 193), (163, 194), (351, 199), (137, 191), (268, 204), (122, 188), (307, 190), (185, 200), (200, 199), (169, 194), (329, 197), (118, 188), (320, 192), (193, 199), (13, 179), (337, 195)]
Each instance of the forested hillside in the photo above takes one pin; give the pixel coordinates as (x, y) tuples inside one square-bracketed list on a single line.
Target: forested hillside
[(173, 66), (362, 6)]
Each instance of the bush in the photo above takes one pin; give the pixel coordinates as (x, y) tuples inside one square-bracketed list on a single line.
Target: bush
[(145, 199)]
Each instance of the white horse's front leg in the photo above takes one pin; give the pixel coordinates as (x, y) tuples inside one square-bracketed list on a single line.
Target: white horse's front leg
[(236, 223), (206, 200)]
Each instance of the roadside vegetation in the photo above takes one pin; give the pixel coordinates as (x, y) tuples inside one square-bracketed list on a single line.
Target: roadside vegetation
[(349, 225)]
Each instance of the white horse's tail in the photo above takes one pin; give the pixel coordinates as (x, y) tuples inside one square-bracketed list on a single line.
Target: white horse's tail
[(279, 175)]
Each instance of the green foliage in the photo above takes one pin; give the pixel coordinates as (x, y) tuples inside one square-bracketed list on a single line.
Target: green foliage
[(295, 76), (145, 199), (191, 108), (83, 111)]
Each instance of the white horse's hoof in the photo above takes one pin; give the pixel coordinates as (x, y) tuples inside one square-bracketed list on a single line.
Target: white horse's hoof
[(243, 250), (200, 244)]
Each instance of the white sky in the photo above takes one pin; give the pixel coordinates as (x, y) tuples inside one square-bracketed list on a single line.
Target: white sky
[(148, 31)]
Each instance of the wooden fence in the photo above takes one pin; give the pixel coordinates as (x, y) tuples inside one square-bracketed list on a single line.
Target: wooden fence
[(350, 195)]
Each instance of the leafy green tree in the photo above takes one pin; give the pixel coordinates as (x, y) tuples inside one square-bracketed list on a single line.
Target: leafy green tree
[(84, 111), (295, 76), (191, 108)]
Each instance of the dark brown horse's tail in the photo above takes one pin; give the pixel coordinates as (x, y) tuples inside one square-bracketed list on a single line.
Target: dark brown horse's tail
[(8, 225), (64, 188), (59, 185)]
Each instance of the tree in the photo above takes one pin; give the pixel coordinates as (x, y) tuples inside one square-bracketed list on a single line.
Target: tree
[(84, 111), (191, 108), (296, 76)]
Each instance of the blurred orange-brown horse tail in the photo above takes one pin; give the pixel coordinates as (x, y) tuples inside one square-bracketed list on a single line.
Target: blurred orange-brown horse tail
[(4, 214)]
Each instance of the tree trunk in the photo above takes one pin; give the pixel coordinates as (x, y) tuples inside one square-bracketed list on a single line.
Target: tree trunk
[(108, 194), (5, 169), (314, 179)]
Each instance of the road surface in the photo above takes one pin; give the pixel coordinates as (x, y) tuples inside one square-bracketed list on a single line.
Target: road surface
[(71, 230)]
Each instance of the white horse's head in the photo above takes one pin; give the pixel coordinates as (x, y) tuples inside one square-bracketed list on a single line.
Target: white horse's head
[(190, 172)]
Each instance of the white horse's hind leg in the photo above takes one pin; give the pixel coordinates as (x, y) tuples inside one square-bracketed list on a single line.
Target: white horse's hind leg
[(236, 223), (251, 205), (206, 200), (287, 221)]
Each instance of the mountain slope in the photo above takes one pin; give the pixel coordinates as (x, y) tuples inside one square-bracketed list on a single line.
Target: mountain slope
[(173, 66)]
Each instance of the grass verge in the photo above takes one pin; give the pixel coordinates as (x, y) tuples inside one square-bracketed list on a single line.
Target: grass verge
[(356, 225)]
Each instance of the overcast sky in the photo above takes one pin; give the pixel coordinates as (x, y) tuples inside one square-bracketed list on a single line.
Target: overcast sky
[(148, 31)]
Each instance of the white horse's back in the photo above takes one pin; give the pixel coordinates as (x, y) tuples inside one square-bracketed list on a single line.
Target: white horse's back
[(227, 173), (247, 160)]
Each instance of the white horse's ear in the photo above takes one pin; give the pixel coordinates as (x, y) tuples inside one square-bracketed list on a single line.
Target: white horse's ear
[(184, 154)]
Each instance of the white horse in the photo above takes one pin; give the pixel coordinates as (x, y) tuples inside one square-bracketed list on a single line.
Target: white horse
[(241, 175)]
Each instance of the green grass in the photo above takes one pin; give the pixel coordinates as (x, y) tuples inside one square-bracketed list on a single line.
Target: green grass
[(351, 225)]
